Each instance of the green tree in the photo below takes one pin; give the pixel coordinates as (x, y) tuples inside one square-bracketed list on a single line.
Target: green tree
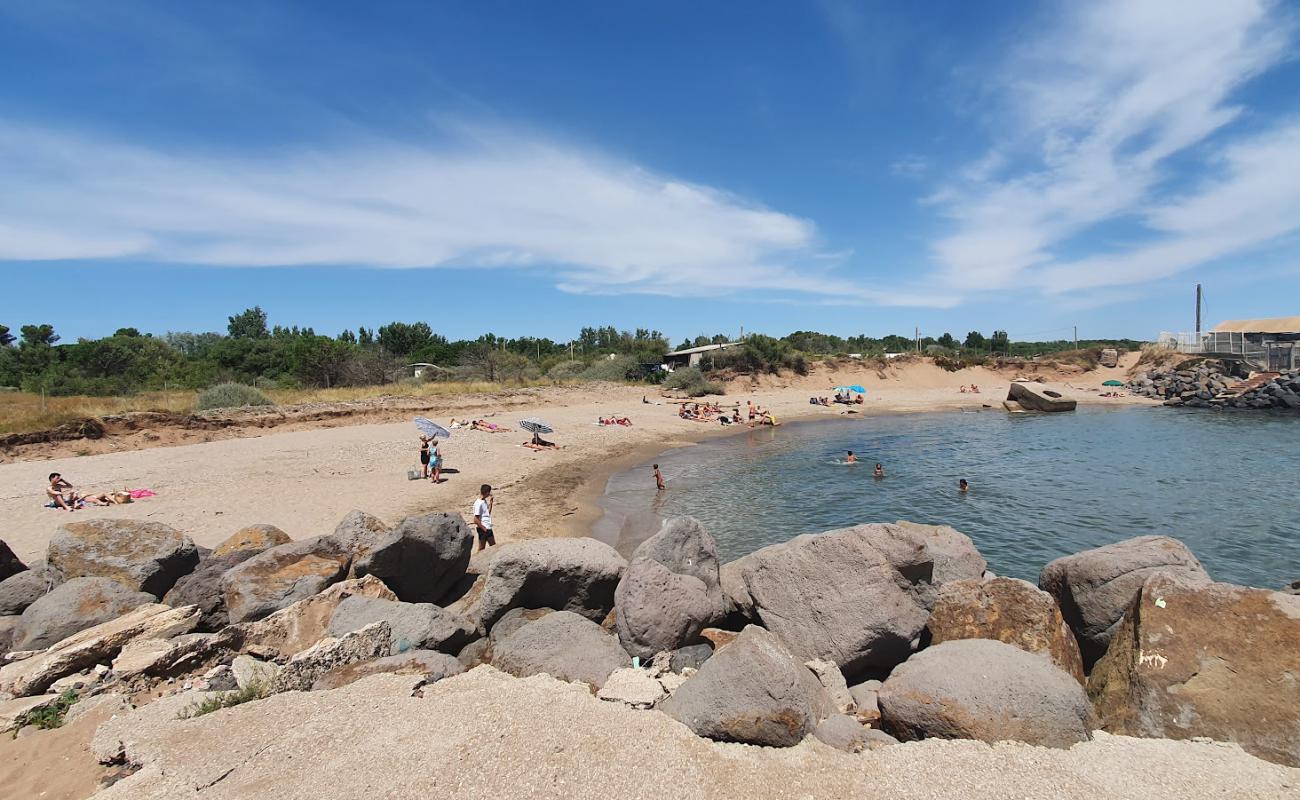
[(404, 338), (39, 335), (132, 332), (249, 324), (6, 338), (975, 341), (947, 341), (1000, 343)]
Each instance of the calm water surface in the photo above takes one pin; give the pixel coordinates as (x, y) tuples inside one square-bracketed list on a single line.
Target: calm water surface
[(1043, 486)]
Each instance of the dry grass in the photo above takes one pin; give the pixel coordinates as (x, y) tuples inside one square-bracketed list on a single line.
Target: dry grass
[(1155, 357), (21, 412)]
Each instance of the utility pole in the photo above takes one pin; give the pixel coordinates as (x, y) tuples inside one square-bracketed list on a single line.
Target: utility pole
[(918, 339), (1076, 337), (1198, 312)]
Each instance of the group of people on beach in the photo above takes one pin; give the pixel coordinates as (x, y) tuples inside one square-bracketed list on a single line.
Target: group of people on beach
[(972, 389)]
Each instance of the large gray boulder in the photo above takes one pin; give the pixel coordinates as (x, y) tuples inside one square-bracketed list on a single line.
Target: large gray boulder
[(74, 606), (203, 588), (422, 559), (142, 556), (753, 691), (329, 654), (670, 590), (1095, 587), (9, 563), (577, 575), (563, 645), (431, 666), (986, 690), (414, 626), (283, 575), (19, 591), (858, 597)]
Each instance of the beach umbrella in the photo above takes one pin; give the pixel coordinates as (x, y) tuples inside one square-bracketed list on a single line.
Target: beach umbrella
[(535, 425), (430, 428), (853, 388), (1113, 383)]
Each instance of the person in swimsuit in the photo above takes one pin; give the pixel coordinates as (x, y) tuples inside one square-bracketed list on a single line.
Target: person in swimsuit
[(424, 456), (963, 486), (851, 459), (659, 479), (879, 472), (435, 462), (60, 492)]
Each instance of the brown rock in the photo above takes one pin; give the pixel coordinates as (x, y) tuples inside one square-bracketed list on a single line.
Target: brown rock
[(255, 538), (296, 628), (282, 576), (1212, 660), (1010, 611), (430, 665), (142, 556), (719, 637)]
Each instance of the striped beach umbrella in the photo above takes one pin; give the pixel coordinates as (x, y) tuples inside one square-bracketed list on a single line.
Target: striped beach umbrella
[(535, 425), (430, 428)]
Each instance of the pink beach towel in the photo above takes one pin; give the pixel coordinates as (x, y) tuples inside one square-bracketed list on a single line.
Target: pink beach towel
[(137, 494)]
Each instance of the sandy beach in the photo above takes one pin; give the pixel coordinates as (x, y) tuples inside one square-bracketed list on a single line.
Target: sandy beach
[(303, 476)]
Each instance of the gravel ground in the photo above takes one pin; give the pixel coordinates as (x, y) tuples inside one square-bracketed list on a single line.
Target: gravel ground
[(487, 735)]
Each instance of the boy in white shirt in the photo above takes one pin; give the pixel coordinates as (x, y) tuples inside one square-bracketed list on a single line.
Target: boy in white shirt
[(483, 516)]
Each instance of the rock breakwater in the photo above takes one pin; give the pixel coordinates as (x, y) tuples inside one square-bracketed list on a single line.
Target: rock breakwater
[(1208, 385)]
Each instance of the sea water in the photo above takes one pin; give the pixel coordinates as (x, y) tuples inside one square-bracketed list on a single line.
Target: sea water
[(1042, 485)]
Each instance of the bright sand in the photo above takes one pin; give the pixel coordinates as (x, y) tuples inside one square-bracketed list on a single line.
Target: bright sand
[(306, 480)]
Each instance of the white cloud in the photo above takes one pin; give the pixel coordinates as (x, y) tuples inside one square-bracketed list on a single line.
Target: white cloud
[(1095, 110), (597, 224)]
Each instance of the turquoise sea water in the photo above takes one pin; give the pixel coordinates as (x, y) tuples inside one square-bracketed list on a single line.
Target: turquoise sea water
[(1043, 486)]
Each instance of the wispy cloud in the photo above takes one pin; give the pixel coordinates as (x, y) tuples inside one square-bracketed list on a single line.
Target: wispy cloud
[(910, 166), (597, 224), (1095, 110)]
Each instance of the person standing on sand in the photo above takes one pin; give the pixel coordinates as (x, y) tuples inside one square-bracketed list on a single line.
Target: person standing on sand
[(752, 412), (435, 462), (424, 456), (659, 479), (483, 516)]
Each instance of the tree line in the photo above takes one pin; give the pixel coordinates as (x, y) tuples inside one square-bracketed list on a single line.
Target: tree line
[(258, 354)]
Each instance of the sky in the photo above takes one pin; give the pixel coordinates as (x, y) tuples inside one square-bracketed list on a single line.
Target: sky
[(531, 168)]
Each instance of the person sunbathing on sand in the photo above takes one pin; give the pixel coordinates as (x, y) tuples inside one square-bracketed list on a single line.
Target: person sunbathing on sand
[(538, 443), (108, 498), (490, 427), (61, 493)]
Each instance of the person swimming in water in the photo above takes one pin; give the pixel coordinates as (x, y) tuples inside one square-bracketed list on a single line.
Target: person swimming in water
[(963, 486), (659, 479), (879, 471), (850, 458)]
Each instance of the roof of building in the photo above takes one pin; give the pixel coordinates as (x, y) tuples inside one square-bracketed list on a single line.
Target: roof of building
[(1274, 325), (691, 350)]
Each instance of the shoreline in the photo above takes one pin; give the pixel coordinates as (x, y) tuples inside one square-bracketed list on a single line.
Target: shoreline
[(304, 476)]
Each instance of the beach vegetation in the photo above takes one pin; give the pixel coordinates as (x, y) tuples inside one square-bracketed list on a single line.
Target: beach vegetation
[(231, 395), (49, 716), (692, 381), (217, 701)]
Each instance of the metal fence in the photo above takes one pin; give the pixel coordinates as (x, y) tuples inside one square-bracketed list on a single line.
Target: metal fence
[(1224, 343)]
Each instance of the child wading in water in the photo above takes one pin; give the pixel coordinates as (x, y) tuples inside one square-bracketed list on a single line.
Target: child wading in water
[(659, 479)]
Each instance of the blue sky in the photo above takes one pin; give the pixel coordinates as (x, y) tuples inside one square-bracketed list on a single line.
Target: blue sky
[(529, 168)]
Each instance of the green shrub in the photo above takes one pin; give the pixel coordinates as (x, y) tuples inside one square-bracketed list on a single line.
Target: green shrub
[(232, 395), (253, 691), (51, 716), (692, 381), (609, 369), (566, 371)]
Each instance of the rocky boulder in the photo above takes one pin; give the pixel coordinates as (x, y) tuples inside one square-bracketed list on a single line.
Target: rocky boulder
[(1194, 659), (1094, 588), (753, 691), (19, 591), (253, 539), (74, 606), (299, 626), (670, 590), (848, 734), (859, 597), (203, 588), (578, 575), (1010, 611), (330, 654), (9, 563), (421, 560), (283, 575), (563, 645), (414, 626), (97, 645), (10, 626), (142, 556), (431, 666), (986, 690), (514, 619)]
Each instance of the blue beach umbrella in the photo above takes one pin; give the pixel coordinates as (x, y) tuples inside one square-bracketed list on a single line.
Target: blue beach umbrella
[(853, 388)]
